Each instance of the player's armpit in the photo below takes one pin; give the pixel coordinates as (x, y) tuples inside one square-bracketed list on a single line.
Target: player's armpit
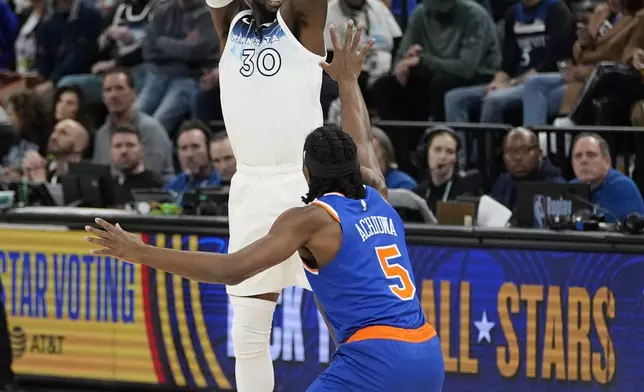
[(307, 20)]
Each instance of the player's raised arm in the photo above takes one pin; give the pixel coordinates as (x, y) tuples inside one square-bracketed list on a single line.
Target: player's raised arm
[(222, 13), (292, 230), (345, 68)]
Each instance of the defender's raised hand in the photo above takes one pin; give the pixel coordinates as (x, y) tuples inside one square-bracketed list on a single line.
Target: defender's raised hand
[(115, 241), (348, 58)]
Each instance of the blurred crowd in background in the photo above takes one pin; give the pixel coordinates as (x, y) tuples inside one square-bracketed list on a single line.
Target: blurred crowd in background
[(134, 85)]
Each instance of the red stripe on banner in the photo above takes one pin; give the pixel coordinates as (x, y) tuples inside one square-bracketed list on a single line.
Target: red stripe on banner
[(149, 326)]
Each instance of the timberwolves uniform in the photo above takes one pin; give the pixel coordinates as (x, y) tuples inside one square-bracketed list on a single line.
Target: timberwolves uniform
[(369, 298), (270, 97), (531, 33)]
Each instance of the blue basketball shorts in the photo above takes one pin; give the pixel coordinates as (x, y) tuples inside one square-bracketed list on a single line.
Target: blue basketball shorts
[(384, 365)]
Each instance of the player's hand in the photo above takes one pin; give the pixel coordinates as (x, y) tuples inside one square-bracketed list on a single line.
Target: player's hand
[(348, 59), (115, 241)]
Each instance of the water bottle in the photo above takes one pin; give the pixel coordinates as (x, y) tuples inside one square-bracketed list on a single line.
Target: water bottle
[(23, 190)]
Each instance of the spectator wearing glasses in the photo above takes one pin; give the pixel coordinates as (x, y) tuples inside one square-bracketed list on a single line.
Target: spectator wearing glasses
[(524, 161)]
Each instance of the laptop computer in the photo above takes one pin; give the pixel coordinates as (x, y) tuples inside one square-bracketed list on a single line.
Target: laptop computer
[(539, 202)]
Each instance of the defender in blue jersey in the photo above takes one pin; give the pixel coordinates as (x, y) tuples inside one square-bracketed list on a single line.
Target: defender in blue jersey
[(353, 246)]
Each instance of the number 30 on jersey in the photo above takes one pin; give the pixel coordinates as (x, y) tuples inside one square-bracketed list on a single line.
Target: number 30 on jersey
[(267, 62), (404, 288)]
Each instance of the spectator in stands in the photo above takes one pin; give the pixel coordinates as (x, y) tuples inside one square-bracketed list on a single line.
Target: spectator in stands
[(538, 34), (438, 156), (379, 24), (26, 45), (181, 41), (25, 73), (448, 44), (70, 103), (67, 143), (8, 32), (119, 95), (30, 125), (610, 189), (524, 161), (206, 103), (602, 36), (67, 41), (222, 156), (197, 171), (611, 89), (127, 158), (637, 120), (384, 149), (120, 45)]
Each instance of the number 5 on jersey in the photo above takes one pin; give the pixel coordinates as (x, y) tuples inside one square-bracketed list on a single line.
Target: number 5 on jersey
[(404, 288), (268, 62)]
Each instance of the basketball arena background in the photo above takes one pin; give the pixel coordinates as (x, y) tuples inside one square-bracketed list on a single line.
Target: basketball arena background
[(509, 320)]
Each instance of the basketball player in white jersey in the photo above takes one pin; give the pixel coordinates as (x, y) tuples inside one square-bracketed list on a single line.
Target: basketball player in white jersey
[(270, 81)]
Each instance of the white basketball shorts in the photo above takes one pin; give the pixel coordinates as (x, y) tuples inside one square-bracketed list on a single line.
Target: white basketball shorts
[(258, 196)]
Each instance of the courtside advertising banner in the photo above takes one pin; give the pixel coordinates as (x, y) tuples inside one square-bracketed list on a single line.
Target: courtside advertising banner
[(509, 319)]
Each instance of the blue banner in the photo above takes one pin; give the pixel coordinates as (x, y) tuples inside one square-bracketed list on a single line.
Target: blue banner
[(508, 319)]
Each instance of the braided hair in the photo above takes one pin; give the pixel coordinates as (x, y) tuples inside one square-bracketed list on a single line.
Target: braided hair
[(329, 145)]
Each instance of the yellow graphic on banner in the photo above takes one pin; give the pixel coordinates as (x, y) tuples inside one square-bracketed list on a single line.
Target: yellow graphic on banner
[(70, 313)]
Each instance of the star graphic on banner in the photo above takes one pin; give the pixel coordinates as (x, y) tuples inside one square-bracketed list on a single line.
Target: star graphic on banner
[(484, 326)]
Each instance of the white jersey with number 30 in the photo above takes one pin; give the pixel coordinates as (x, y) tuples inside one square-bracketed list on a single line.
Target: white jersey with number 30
[(270, 92)]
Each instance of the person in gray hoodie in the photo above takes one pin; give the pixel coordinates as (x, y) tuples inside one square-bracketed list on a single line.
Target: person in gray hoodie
[(180, 43)]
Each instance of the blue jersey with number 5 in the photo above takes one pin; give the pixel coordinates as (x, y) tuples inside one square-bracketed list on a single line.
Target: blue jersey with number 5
[(370, 281)]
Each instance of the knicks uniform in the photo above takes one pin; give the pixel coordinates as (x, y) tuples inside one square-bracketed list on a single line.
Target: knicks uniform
[(270, 97), (368, 296)]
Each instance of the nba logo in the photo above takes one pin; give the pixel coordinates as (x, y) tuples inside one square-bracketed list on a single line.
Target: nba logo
[(539, 211)]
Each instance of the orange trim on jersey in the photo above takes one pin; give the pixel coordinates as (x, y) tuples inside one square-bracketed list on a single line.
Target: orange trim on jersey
[(334, 194), (328, 209), (417, 335), (311, 270)]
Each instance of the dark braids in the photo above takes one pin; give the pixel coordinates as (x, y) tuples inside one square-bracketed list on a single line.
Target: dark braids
[(330, 145)]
